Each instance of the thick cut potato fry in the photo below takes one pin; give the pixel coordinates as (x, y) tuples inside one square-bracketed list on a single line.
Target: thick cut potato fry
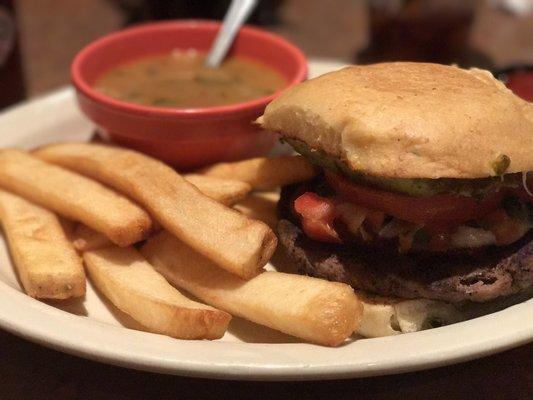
[(74, 196), (47, 264), (236, 243), (319, 311), (86, 239), (265, 173), (225, 191), (261, 206), (134, 287)]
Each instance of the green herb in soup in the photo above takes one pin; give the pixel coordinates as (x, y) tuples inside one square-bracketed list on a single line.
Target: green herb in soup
[(181, 80)]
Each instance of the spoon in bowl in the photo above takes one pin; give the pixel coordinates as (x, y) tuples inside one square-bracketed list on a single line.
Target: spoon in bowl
[(238, 12)]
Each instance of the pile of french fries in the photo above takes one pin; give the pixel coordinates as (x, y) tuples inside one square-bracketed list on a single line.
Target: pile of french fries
[(142, 233)]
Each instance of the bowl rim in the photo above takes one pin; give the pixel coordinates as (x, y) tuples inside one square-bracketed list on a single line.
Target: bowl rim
[(83, 86)]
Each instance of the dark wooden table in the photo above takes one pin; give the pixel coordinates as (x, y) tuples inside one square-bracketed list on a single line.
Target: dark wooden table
[(29, 371)]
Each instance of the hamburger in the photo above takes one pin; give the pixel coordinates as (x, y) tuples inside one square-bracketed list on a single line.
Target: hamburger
[(423, 189)]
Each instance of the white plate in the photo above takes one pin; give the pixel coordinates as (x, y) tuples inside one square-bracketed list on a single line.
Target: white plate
[(91, 328)]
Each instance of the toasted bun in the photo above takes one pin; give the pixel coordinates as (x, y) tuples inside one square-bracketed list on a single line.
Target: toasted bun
[(409, 120)]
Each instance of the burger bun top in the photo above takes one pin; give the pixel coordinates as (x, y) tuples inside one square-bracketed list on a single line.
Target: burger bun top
[(409, 120)]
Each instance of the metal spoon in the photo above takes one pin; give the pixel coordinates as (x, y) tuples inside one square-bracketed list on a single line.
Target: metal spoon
[(238, 12)]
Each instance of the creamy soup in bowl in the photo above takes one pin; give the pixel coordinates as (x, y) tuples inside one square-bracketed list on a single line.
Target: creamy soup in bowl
[(180, 79)]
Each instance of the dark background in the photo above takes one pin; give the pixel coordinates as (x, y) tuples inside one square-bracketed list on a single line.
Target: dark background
[(52, 31)]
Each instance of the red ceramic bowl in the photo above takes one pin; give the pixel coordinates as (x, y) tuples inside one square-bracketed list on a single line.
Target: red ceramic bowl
[(185, 138)]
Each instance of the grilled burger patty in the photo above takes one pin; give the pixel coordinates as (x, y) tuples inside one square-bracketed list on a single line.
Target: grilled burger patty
[(477, 276)]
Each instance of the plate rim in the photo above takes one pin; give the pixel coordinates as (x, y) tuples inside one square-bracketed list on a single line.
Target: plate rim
[(65, 341)]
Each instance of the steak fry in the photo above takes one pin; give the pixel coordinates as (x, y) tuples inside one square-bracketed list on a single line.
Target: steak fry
[(74, 197), (313, 309), (236, 243), (47, 264)]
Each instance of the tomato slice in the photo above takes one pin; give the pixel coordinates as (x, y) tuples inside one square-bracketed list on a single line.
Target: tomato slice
[(317, 214), (441, 209)]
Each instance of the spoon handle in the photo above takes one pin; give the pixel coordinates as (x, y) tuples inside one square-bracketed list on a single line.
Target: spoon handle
[(238, 12)]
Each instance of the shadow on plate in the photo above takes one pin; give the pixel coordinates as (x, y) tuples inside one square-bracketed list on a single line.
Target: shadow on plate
[(250, 332), (74, 305)]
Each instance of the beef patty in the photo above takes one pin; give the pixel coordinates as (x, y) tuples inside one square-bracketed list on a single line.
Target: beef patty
[(477, 276)]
